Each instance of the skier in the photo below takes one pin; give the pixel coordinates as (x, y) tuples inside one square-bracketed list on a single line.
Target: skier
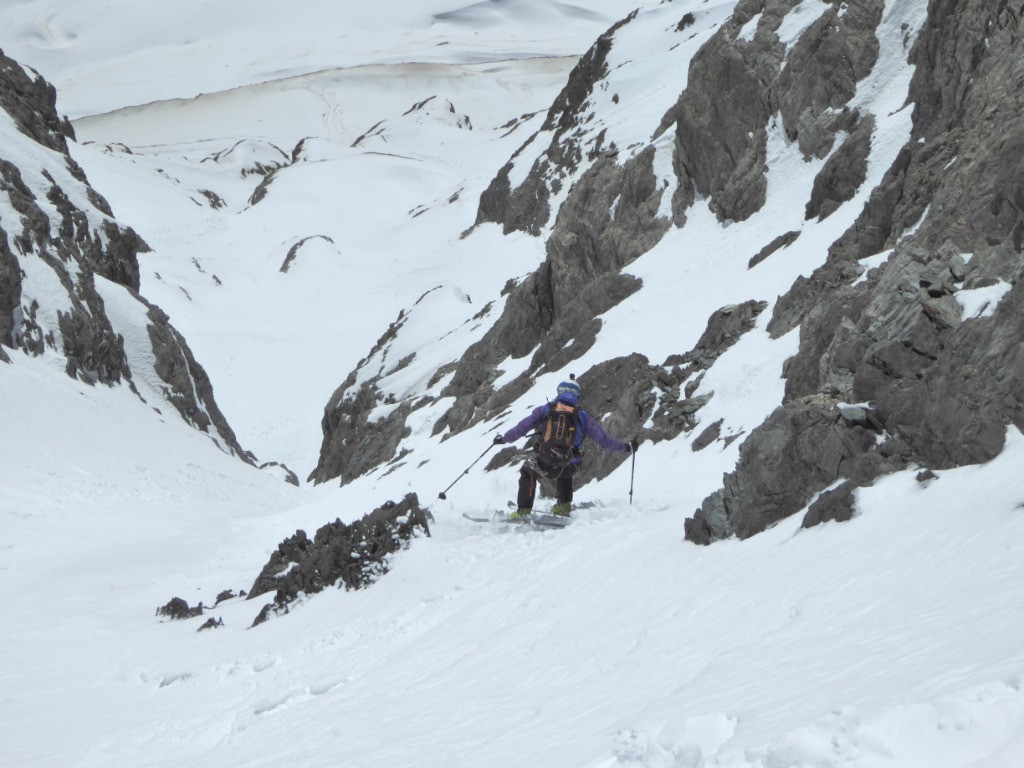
[(562, 426)]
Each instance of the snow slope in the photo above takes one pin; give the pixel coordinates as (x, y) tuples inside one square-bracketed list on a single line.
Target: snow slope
[(892, 641)]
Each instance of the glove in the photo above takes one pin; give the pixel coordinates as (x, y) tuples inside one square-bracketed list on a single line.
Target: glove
[(632, 446), (499, 440)]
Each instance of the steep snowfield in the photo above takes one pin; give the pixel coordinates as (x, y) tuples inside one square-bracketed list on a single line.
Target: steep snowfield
[(892, 641)]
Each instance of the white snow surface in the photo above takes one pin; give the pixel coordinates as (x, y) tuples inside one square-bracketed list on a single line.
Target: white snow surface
[(982, 302), (890, 641)]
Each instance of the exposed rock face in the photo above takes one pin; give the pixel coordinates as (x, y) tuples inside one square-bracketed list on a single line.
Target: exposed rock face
[(32, 104), (843, 174), (177, 609), (609, 220), (720, 122), (835, 505), (804, 444), (627, 393), (780, 242), (353, 556), (737, 87), (941, 386), (355, 442), (822, 71), (188, 387), (58, 243), (527, 206), (10, 292), (611, 214), (358, 437)]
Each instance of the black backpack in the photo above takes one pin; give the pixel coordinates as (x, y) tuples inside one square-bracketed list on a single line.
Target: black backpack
[(558, 437)]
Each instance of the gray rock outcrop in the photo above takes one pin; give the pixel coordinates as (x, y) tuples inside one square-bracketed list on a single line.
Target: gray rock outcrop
[(31, 103), (177, 609), (354, 440), (941, 387), (526, 207), (738, 86), (352, 556)]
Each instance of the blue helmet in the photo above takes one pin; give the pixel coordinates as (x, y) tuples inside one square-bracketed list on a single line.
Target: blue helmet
[(569, 392)]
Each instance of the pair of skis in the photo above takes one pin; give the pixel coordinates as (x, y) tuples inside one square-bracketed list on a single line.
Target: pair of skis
[(541, 520)]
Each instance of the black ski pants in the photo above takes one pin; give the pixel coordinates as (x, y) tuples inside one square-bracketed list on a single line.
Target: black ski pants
[(531, 472)]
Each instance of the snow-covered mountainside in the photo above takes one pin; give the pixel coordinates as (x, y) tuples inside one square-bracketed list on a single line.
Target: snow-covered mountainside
[(69, 275), (777, 241), (825, 176)]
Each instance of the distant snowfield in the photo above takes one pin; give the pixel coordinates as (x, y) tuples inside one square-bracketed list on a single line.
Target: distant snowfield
[(379, 223), (104, 56), (335, 104), (891, 641)]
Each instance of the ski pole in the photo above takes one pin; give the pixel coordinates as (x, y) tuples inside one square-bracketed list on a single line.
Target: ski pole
[(632, 472), (465, 472)]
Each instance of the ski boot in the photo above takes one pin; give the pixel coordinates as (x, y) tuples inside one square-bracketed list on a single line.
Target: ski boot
[(520, 514), (562, 509)]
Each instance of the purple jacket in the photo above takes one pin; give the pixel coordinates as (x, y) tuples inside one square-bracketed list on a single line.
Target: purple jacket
[(589, 427)]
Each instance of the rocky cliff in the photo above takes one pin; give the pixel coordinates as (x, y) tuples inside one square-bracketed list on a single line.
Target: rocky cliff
[(931, 340), (69, 272)]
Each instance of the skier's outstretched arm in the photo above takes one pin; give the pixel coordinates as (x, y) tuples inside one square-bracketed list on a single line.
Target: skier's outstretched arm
[(596, 432), (528, 424)]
